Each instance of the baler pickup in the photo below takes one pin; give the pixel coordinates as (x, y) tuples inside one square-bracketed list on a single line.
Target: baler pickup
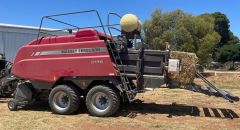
[(210, 89)]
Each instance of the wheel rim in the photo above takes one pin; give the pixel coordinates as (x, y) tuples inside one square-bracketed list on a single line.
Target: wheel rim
[(61, 100), (100, 101), (11, 105)]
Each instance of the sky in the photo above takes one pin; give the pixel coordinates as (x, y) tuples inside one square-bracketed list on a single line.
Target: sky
[(29, 12)]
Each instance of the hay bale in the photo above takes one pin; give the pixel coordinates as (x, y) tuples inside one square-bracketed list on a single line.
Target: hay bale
[(188, 67)]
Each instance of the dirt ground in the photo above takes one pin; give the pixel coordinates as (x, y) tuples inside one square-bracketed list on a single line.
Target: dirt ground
[(162, 108)]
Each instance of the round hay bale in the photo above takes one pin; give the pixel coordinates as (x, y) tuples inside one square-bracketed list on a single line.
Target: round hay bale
[(187, 71)]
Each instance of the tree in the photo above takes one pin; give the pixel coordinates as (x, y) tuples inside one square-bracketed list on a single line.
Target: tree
[(152, 29), (185, 33), (222, 27), (229, 52), (233, 39), (206, 46)]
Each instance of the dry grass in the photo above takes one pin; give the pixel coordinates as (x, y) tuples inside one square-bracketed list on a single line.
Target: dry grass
[(227, 81), (192, 111)]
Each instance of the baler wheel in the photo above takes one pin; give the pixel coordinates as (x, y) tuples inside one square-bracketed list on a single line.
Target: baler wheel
[(64, 99), (102, 101), (12, 106)]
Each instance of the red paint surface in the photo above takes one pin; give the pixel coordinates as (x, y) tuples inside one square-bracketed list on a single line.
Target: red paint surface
[(51, 67)]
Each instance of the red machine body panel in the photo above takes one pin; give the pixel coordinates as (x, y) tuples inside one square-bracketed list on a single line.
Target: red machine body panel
[(83, 54)]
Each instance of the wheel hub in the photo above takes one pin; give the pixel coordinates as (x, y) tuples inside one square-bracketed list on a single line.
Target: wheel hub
[(61, 100), (100, 101), (11, 105)]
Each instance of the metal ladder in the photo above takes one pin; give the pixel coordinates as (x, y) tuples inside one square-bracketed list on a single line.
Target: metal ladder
[(130, 92)]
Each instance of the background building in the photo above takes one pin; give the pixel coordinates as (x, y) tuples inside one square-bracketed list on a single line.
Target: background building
[(12, 37)]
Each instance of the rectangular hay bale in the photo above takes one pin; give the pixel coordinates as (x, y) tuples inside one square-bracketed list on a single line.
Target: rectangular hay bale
[(188, 63)]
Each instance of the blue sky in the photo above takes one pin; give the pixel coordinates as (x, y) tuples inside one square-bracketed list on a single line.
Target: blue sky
[(29, 12)]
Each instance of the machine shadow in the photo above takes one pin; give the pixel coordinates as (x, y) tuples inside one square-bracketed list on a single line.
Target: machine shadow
[(44, 106), (139, 107), (132, 110), (37, 106)]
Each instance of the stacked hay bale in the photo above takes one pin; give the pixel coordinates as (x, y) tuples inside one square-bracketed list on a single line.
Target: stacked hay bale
[(187, 72)]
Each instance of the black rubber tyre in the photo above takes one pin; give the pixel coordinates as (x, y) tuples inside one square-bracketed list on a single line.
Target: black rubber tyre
[(102, 101), (12, 106), (64, 99)]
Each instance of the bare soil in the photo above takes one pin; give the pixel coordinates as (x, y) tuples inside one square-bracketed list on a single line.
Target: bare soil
[(162, 108)]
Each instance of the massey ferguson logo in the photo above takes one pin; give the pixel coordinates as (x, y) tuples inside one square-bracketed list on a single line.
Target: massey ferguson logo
[(70, 51), (82, 50)]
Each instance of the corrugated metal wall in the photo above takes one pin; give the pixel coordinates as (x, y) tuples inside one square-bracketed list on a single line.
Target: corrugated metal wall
[(1, 42), (11, 39), (14, 41)]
